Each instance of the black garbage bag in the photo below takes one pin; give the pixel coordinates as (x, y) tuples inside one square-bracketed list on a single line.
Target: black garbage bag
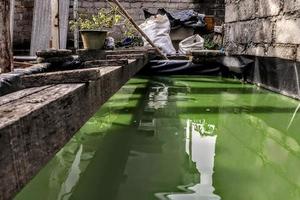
[(185, 18), (179, 67)]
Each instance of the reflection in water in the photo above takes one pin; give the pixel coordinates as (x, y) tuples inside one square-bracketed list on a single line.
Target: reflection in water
[(293, 117), (72, 178), (200, 147), (158, 97)]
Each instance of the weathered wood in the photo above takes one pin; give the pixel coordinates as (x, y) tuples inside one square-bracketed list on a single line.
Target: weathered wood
[(126, 56), (64, 6), (35, 127), (91, 73), (20, 95), (41, 26), (63, 77), (99, 63), (6, 57), (50, 25), (127, 51), (54, 24), (22, 64)]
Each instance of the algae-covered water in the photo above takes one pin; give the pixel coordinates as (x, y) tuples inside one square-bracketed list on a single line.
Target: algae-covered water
[(180, 137)]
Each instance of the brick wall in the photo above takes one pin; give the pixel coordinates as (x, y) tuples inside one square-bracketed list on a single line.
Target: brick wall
[(23, 23), (135, 7), (263, 28), (24, 9)]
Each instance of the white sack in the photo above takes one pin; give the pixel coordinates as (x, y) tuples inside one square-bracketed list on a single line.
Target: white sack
[(158, 28), (195, 42)]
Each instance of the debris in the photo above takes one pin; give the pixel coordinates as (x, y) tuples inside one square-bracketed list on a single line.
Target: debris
[(158, 28), (185, 18), (139, 29), (109, 43), (195, 42)]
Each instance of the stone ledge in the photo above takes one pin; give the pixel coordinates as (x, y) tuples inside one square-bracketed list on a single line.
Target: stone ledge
[(37, 122), (10, 82)]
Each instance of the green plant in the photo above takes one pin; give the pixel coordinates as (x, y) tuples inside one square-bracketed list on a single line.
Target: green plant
[(209, 42), (104, 19)]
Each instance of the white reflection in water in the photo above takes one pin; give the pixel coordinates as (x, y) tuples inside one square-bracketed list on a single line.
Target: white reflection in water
[(158, 97), (293, 117), (200, 146), (73, 177)]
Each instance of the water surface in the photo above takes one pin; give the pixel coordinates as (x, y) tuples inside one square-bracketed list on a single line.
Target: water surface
[(182, 138)]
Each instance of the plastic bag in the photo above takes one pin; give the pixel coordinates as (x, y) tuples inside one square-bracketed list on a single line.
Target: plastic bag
[(157, 28), (195, 42)]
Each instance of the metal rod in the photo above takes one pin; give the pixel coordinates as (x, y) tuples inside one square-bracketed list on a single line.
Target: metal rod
[(139, 29)]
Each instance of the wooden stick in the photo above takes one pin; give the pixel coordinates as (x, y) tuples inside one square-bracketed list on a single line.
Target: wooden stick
[(138, 28)]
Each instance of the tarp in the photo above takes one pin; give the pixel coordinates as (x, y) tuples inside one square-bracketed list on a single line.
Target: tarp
[(186, 18)]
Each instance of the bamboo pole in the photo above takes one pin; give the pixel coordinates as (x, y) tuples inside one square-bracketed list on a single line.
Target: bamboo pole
[(138, 28)]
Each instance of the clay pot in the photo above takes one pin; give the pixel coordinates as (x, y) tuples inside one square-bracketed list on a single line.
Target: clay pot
[(93, 39)]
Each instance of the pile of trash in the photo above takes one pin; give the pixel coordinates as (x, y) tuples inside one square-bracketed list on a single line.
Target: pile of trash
[(180, 32)]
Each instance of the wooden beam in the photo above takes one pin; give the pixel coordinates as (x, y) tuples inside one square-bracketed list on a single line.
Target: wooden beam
[(101, 63), (88, 74), (6, 57), (126, 56), (65, 77)]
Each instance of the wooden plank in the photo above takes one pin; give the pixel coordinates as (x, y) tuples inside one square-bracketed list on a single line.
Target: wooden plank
[(101, 63), (18, 109), (63, 77), (16, 96), (22, 64), (55, 25), (126, 56), (64, 6), (41, 26)]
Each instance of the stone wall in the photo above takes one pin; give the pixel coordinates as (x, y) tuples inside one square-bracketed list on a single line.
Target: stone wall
[(263, 28), (24, 10)]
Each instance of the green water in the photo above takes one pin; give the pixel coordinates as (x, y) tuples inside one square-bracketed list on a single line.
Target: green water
[(180, 137)]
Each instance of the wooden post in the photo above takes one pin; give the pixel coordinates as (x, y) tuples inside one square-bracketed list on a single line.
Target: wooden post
[(41, 26), (6, 58), (12, 18), (55, 24), (76, 31), (64, 6)]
